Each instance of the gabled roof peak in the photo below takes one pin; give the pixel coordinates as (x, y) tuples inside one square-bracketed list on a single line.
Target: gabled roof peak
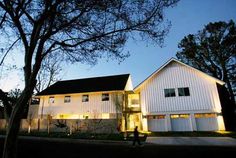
[(181, 63)]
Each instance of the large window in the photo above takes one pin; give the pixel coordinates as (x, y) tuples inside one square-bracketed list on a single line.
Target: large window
[(67, 99), (169, 92), (105, 97), (85, 98), (51, 100), (183, 91)]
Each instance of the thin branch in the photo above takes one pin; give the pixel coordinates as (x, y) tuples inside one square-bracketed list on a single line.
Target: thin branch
[(8, 51)]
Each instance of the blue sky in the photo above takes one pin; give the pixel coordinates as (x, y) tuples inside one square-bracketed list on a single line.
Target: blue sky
[(187, 17)]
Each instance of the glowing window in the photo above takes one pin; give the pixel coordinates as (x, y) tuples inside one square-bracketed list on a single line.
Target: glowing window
[(105, 97), (67, 99), (51, 100), (105, 116), (169, 92), (85, 98), (206, 115), (160, 117), (183, 91), (175, 116)]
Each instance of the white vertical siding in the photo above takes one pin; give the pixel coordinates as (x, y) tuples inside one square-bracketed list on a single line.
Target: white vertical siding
[(181, 124), (94, 106), (157, 125), (207, 124), (203, 91)]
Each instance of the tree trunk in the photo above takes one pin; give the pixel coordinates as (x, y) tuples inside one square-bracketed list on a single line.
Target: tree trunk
[(10, 146)]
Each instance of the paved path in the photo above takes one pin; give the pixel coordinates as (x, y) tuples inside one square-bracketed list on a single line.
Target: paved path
[(202, 141)]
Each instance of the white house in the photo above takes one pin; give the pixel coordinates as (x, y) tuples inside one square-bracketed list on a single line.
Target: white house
[(176, 97), (90, 98)]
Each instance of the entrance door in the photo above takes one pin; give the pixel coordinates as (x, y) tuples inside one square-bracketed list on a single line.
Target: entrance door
[(133, 120)]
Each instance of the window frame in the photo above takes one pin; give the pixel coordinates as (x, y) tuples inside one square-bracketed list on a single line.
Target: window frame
[(66, 97), (168, 93), (184, 90), (87, 98), (51, 100), (105, 96)]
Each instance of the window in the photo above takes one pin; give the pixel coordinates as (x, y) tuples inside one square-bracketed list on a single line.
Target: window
[(51, 100), (67, 99), (85, 98), (105, 115), (156, 117), (105, 97), (175, 116), (183, 91), (34, 101), (206, 115), (169, 92)]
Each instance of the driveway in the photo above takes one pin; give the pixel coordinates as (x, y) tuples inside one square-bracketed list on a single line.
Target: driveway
[(202, 141)]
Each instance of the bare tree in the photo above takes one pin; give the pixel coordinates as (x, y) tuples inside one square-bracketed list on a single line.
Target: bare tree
[(76, 31), (49, 73)]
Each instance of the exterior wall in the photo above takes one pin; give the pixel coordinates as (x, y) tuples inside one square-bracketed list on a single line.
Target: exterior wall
[(203, 91), (157, 125), (94, 108), (207, 124), (191, 123), (203, 98)]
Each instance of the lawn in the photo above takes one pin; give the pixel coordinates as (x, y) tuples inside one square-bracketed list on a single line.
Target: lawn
[(126, 136)]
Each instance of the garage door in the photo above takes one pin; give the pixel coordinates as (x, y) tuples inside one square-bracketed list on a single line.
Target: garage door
[(157, 123), (206, 122), (181, 122)]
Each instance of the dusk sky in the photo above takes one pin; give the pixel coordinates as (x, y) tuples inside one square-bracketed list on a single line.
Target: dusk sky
[(187, 17)]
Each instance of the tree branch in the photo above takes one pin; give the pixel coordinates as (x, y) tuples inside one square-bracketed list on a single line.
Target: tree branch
[(8, 51)]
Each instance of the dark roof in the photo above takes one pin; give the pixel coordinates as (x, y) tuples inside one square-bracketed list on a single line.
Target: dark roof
[(96, 84)]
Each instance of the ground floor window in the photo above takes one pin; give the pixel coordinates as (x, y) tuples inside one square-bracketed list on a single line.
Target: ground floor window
[(205, 115), (156, 117), (175, 116)]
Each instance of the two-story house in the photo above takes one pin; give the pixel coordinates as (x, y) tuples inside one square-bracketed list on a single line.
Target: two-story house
[(176, 97)]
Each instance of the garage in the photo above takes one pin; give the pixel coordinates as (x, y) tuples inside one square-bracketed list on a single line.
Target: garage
[(181, 122), (157, 123), (206, 122)]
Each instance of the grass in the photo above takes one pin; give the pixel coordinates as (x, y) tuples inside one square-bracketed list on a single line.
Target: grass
[(126, 136)]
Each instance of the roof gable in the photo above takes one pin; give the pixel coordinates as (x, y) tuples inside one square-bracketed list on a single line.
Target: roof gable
[(96, 84), (181, 63)]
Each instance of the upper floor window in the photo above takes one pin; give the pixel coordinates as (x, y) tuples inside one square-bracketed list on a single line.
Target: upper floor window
[(67, 99), (105, 97), (51, 100), (85, 98), (183, 91), (169, 92)]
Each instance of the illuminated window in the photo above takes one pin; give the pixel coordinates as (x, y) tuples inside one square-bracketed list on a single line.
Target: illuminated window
[(67, 99), (105, 97), (175, 116), (156, 117), (169, 92), (105, 116), (85, 98), (51, 100), (160, 117), (206, 115), (183, 91), (134, 101)]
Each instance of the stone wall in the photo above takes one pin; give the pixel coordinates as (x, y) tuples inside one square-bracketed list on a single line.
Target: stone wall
[(68, 125)]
